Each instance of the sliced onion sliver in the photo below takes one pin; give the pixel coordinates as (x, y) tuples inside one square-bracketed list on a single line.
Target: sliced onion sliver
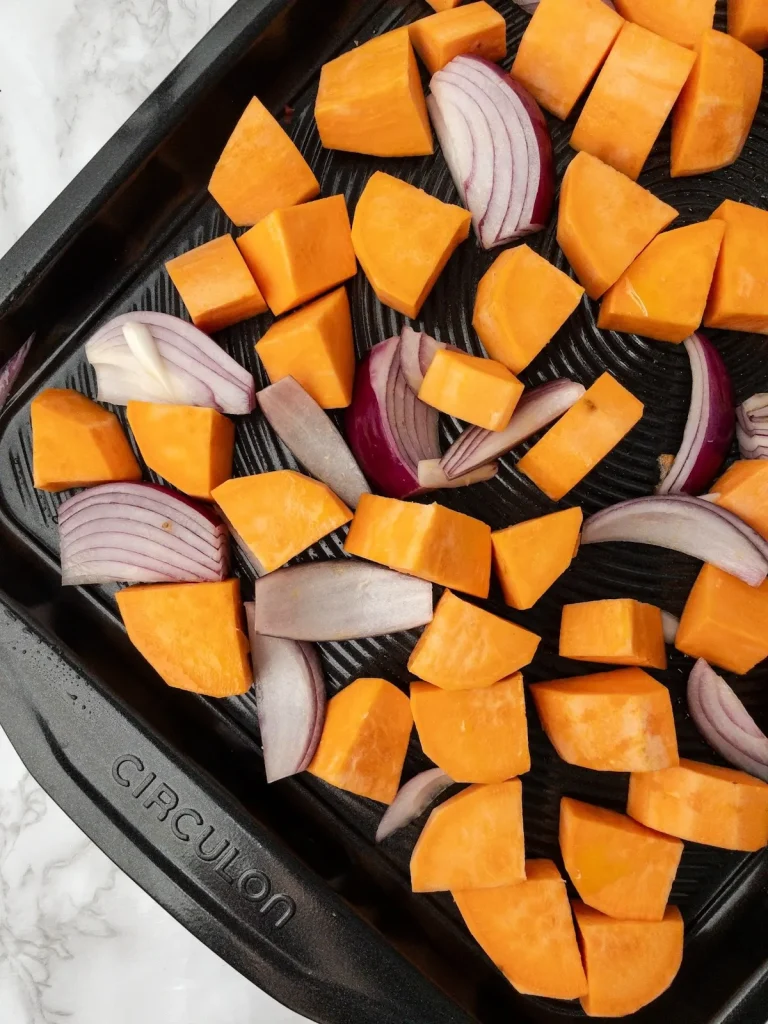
[(432, 475), (10, 372), (417, 350), (670, 625), (538, 407), (139, 533), (752, 427), (339, 600), (290, 700), (725, 723), (412, 800), (192, 368), (309, 432), (709, 428), (687, 524)]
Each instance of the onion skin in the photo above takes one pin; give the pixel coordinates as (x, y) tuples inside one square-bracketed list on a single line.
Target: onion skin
[(725, 723), (710, 425), (10, 372), (412, 800), (752, 427)]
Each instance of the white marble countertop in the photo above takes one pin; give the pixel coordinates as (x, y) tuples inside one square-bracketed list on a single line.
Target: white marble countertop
[(79, 941)]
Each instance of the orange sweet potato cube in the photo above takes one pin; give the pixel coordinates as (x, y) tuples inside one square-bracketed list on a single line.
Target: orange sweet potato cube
[(743, 490), (620, 631), (748, 22), (480, 391), (682, 21), (738, 300), (530, 556), (473, 28)]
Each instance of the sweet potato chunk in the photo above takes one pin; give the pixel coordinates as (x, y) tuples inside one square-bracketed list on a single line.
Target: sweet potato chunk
[(465, 647), (682, 21), (474, 28), (617, 721), (629, 963), (714, 114), (724, 621), (191, 634), (748, 22), (472, 841), (298, 253), (521, 302), (429, 541), (562, 49), (278, 515), (632, 98), (190, 446), (370, 100), (479, 391), (620, 631), (619, 867), (743, 490), (530, 556), (703, 803), (314, 345), (365, 739), (527, 930), (605, 221), (260, 169), (738, 300), (474, 735), (403, 238), (76, 443), (590, 429)]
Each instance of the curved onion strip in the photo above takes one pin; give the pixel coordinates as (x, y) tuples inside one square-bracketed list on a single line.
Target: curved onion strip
[(432, 476), (687, 524), (290, 700), (339, 600), (752, 427), (10, 372), (670, 624), (412, 800)]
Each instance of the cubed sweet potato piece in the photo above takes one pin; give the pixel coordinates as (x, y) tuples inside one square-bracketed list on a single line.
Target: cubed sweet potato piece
[(530, 556), (618, 631), (748, 22), (738, 300), (682, 21), (743, 490), (474, 28), (479, 391)]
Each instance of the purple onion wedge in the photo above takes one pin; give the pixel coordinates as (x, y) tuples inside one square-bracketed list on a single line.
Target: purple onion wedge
[(725, 723), (412, 800), (670, 624), (752, 427), (10, 372), (687, 524), (709, 428), (432, 475)]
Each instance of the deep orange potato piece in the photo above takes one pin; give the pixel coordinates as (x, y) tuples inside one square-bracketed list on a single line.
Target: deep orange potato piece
[(530, 556), (76, 443), (590, 429), (703, 803), (465, 647), (260, 169), (664, 292), (527, 930), (619, 631), (562, 49), (472, 841), (370, 100), (682, 21), (477, 390), (605, 220), (724, 621), (474, 735), (314, 345), (403, 238), (748, 22), (191, 634), (738, 300), (278, 515), (629, 963), (618, 721), (297, 253), (215, 285), (364, 740), (714, 113), (474, 28), (632, 98), (190, 446), (429, 541), (443, 5), (743, 490), (618, 866), (521, 302)]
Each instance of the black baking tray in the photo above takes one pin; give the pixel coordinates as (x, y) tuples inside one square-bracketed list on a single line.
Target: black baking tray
[(285, 882)]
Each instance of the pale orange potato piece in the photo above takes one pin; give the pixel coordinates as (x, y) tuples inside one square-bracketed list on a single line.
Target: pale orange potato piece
[(530, 556), (475, 28), (618, 631), (738, 300), (748, 22), (682, 21), (743, 490), (479, 391)]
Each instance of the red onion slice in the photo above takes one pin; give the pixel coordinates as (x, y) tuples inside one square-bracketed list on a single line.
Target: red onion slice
[(417, 350), (10, 372), (710, 424), (725, 723), (339, 600), (412, 800), (195, 370), (290, 700), (752, 427), (139, 533), (310, 433), (687, 524), (432, 475), (670, 625), (539, 407)]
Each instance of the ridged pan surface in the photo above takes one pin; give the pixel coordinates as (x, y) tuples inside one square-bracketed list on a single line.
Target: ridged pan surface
[(658, 374)]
